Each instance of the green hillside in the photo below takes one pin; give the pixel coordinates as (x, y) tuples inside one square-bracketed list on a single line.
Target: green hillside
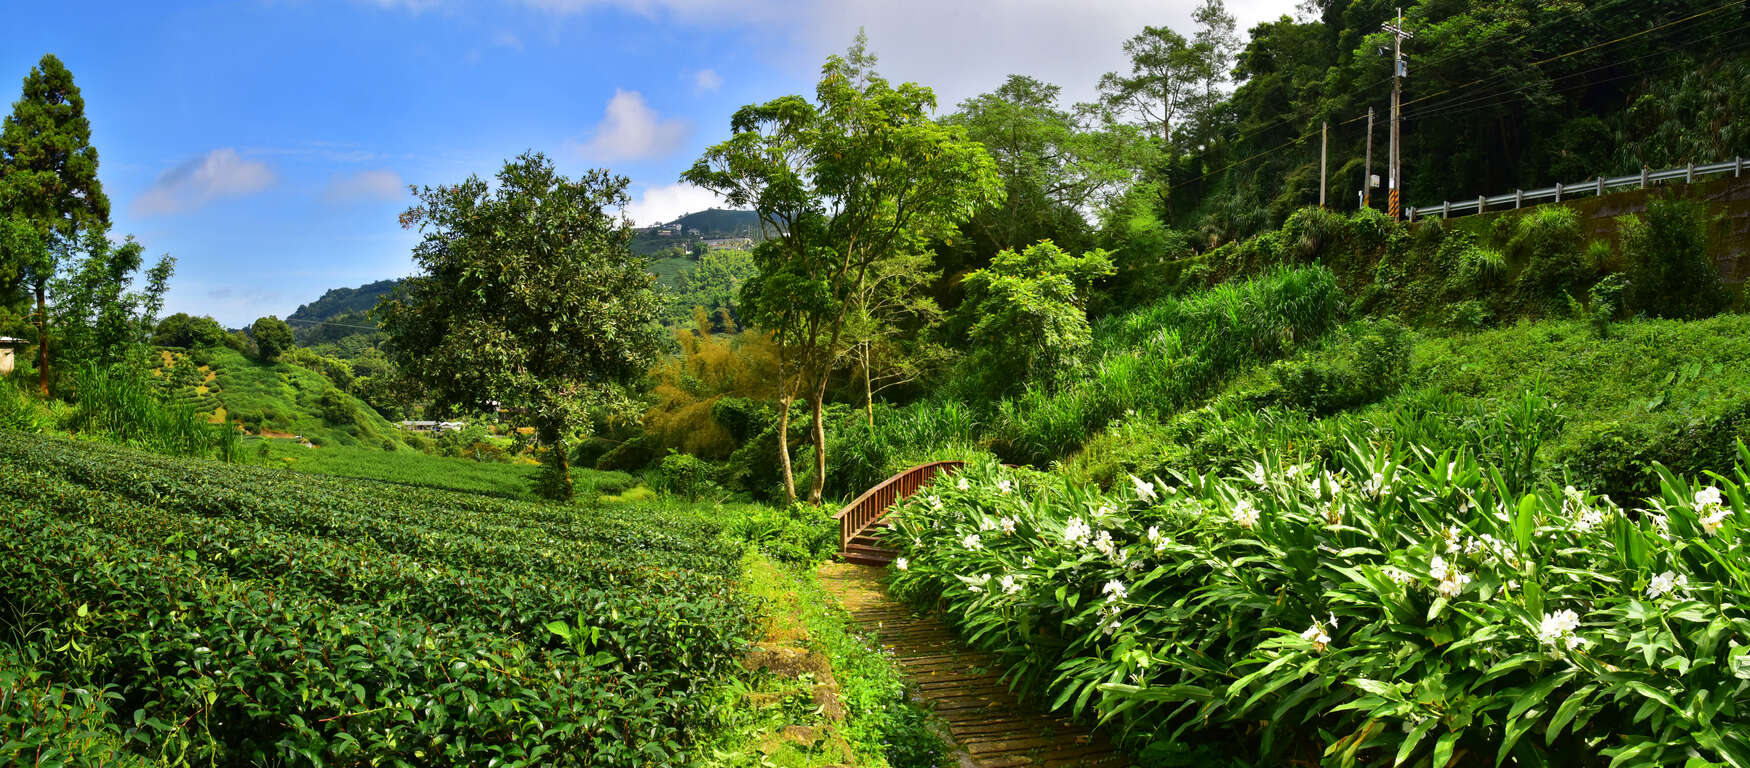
[(277, 398)]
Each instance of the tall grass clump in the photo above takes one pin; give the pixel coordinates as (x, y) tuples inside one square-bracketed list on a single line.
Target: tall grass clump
[(17, 412), (1158, 359), (902, 437), (123, 405)]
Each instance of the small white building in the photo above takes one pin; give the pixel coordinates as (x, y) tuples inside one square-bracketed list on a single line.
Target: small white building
[(7, 345), (434, 427)]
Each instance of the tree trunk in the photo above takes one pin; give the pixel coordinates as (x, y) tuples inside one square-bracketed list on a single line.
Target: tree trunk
[(816, 403), (784, 448), (42, 338), (555, 480), (868, 390)]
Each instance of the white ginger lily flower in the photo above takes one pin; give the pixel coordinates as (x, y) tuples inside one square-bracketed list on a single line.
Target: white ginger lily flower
[(1144, 490), (1114, 590), (1245, 514), (962, 484), (1258, 475), (1004, 486), (1317, 636), (1667, 583), (1077, 532), (1558, 630), (1437, 567), (1007, 524), (1397, 575), (972, 543), (1010, 584), (902, 564), (1156, 540), (976, 583), (1453, 585), (1103, 542)]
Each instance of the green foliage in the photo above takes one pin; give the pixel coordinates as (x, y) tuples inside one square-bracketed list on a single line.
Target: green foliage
[(18, 410), (1030, 311), (123, 405), (1159, 359), (1669, 272), (713, 283), (1368, 362), (188, 332), (333, 606), (686, 476), (882, 723), (1391, 605), (271, 336), (800, 534), (829, 177), (1549, 246), (528, 297), (902, 437)]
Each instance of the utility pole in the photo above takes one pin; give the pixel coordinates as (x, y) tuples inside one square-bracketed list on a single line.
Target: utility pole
[(1399, 71), (1367, 166), (1324, 145)]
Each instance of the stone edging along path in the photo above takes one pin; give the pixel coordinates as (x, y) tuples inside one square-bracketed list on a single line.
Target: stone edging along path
[(990, 725)]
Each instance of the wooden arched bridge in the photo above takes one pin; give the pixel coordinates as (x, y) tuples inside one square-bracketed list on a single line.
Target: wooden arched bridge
[(861, 519), (989, 725)]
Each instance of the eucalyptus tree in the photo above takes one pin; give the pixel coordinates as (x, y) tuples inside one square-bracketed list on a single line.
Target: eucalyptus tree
[(859, 175)]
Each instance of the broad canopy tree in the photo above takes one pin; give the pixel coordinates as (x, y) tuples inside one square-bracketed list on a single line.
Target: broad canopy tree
[(49, 192), (529, 297), (859, 175)]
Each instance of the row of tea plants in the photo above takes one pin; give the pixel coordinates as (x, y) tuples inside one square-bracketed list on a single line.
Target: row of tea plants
[(233, 615), (1389, 605)]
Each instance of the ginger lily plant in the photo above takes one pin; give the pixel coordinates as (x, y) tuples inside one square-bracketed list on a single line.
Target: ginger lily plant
[(1395, 605)]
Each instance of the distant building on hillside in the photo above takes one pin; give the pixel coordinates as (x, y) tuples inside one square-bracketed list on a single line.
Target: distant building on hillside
[(7, 344), (434, 427), (725, 243)]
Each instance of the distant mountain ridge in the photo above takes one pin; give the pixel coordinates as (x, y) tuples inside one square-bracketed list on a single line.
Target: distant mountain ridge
[(714, 223), (342, 301)]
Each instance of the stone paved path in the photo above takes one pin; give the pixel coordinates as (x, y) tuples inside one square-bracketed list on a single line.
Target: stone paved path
[(992, 727)]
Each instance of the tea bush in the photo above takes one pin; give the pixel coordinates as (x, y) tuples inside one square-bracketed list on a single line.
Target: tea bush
[(1391, 605), (252, 616)]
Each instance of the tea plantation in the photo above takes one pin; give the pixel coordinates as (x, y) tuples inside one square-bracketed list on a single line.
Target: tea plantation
[(205, 613)]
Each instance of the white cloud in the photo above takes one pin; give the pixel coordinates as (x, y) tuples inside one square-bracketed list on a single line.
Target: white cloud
[(660, 205), (631, 130), (382, 184), (509, 40), (926, 41), (218, 174), (1069, 44), (707, 80)]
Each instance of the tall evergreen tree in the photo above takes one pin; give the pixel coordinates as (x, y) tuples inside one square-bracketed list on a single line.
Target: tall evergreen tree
[(48, 187)]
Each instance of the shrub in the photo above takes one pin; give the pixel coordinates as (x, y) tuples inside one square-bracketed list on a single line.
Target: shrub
[(686, 475), (1368, 363), (1669, 272), (1547, 243), (1028, 316), (271, 336)]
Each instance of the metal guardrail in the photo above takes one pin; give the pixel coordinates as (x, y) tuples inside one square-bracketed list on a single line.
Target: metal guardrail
[(1598, 186)]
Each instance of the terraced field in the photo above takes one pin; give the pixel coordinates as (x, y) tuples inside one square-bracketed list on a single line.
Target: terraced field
[(219, 614)]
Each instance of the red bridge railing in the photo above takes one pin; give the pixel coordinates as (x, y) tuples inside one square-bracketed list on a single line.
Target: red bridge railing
[(870, 507)]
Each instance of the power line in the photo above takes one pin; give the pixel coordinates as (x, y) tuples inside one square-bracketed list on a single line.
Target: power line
[(337, 325), (1483, 101), (1304, 137)]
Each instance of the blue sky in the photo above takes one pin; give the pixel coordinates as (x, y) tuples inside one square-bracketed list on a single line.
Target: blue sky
[(268, 144)]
